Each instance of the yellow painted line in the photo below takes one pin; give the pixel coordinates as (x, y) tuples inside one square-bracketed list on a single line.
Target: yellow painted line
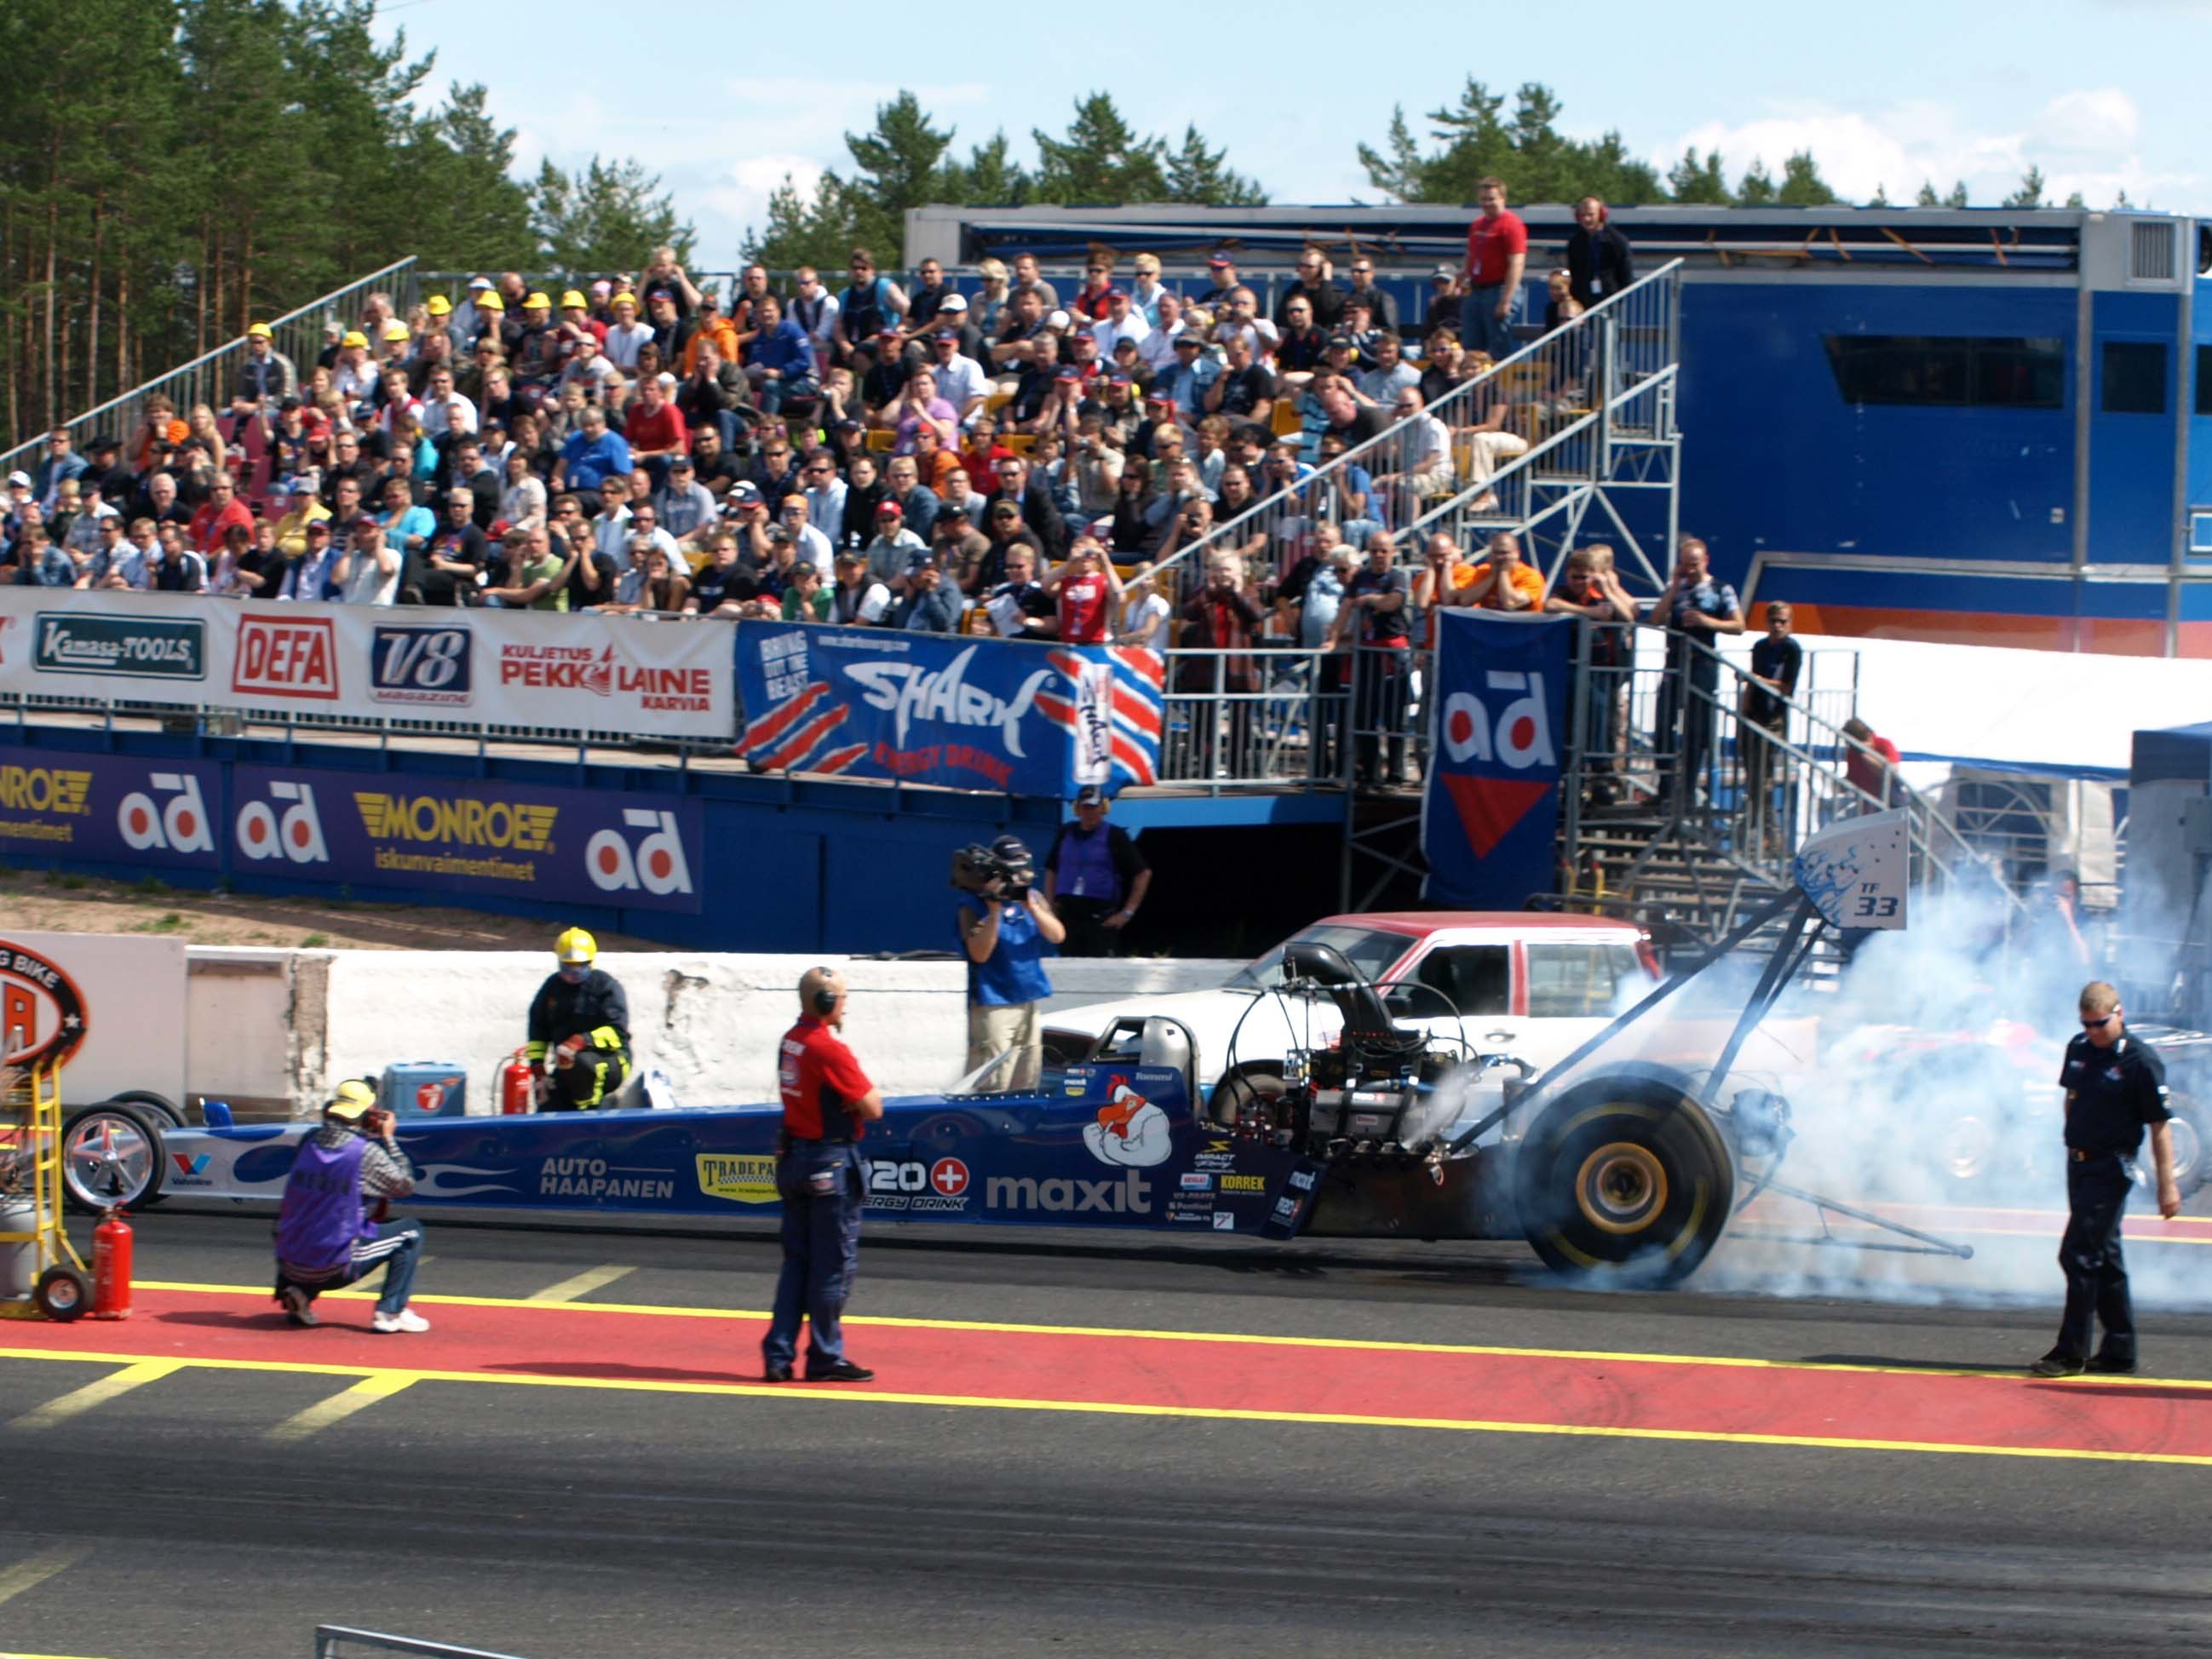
[(1370, 1344), (95, 1394), (377, 1385), (29, 1574), (582, 1284), (380, 1383)]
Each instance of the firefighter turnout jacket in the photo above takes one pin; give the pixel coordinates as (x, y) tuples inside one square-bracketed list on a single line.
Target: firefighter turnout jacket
[(591, 1016)]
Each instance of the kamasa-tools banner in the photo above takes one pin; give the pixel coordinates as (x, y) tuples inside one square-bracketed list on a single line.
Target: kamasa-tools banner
[(1490, 820), (948, 709), (621, 676)]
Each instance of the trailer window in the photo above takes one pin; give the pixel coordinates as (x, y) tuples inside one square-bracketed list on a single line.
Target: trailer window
[(1966, 371), (1369, 950), (2135, 377), (1475, 978), (1580, 982)]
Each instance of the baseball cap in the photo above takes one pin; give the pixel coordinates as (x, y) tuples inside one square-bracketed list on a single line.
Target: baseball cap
[(1057, 319), (745, 492), (491, 302), (353, 1101), (999, 509), (260, 331), (917, 557), (1159, 397), (476, 283), (1068, 372), (890, 510), (438, 305), (1336, 340), (1220, 260), (323, 525), (23, 479), (572, 301), (1188, 339), (1443, 273), (1090, 795), (1117, 379), (396, 329), (681, 460), (354, 337), (537, 301), (948, 334), (953, 302), (302, 487)]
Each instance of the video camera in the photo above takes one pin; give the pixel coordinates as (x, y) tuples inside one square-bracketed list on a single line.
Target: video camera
[(1006, 860)]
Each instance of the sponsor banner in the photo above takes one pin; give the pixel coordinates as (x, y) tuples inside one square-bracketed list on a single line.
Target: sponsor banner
[(1490, 818), (611, 676), (478, 837), (948, 709), (109, 808)]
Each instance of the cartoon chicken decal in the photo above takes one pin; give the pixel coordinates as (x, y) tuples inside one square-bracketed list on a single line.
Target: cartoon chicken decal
[(1131, 1132)]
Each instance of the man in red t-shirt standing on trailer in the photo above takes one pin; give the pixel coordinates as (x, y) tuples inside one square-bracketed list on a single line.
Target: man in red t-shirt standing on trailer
[(1496, 256), (827, 1103)]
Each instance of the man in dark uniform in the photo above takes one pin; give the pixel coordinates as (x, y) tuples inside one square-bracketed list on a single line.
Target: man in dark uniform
[(826, 1100), (2115, 1089), (579, 1029), (1094, 879)]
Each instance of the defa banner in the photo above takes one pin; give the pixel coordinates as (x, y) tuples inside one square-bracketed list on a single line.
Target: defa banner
[(479, 838), (1490, 819), (948, 709), (109, 808), (618, 677)]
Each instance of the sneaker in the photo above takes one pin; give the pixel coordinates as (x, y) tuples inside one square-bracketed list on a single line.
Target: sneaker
[(2106, 1365), (299, 1307), (843, 1372), (406, 1320), (2058, 1364)]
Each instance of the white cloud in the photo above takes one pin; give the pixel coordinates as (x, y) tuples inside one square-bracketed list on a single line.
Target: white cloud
[(2086, 140)]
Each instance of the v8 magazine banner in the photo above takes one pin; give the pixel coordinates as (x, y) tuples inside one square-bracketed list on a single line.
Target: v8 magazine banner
[(1491, 817), (1010, 715), (621, 676)]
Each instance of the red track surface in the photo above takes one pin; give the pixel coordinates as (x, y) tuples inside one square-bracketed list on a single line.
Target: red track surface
[(1031, 1368)]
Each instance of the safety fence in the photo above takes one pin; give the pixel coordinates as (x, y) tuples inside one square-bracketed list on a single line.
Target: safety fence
[(300, 336)]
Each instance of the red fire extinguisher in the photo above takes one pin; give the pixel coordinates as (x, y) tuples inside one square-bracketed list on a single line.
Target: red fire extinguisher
[(518, 1086), (110, 1267)]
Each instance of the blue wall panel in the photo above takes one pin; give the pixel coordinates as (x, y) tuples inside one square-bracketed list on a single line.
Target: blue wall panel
[(2131, 455)]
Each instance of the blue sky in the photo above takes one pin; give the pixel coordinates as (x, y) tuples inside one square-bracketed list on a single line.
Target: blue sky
[(2095, 92)]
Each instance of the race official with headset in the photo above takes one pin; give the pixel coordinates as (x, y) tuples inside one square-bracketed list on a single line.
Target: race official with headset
[(828, 1102), (579, 1029)]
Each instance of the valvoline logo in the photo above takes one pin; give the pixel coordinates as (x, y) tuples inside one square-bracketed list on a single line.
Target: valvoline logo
[(1499, 758)]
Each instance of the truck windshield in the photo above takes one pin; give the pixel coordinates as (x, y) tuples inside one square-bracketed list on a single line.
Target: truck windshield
[(1369, 950)]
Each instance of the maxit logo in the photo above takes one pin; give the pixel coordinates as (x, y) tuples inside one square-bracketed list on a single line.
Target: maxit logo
[(656, 863), (169, 815), (296, 834), (1518, 738)]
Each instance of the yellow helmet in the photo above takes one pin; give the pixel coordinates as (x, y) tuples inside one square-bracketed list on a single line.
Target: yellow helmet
[(575, 946), (352, 1101)]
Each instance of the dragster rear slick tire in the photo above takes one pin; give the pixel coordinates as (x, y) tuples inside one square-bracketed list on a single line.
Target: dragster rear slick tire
[(1624, 1177)]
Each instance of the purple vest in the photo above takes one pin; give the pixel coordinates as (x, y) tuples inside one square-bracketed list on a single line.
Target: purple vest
[(321, 1220), (1087, 866)]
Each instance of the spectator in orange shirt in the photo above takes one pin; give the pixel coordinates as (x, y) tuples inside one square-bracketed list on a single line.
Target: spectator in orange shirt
[(1443, 576), (221, 509), (713, 326), (1505, 583)]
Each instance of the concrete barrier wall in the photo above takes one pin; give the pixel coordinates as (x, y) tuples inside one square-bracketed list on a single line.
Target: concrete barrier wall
[(274, 1030)]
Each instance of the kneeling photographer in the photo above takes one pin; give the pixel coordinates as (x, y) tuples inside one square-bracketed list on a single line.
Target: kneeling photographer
[(1004, 926)]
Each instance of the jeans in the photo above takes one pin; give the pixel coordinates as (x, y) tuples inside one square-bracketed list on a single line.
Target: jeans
[(2089, 1253), (773, 394), (1481, 327), (818, 1183), (395, 1251), (1382, 676)]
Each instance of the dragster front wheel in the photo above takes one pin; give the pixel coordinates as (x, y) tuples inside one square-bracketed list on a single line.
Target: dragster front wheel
[(1624, 1174)]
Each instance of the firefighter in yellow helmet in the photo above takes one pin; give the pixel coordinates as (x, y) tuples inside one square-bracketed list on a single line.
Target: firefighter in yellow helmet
[(579, 1029)]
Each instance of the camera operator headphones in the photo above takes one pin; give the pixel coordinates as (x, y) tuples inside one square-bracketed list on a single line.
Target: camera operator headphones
[(824, 1001)]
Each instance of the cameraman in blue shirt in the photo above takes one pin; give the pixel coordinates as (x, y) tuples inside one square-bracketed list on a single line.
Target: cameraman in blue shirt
[(1005, 924)]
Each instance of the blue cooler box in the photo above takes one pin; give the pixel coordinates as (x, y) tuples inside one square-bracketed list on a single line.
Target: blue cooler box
[(426, 1088)]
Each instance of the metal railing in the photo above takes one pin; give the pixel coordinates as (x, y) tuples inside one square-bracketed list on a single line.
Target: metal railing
[(300, 336), (1252, 716), (1554, 409)]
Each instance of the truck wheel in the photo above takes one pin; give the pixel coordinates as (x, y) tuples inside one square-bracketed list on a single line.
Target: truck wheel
[(1624, 1174), (111, 1155), (61, 1294), (154, 1108)]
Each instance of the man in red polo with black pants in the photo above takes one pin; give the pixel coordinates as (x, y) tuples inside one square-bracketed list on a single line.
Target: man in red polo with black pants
[(827, 1102)]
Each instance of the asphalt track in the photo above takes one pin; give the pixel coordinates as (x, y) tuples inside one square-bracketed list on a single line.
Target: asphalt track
[(1078, 1445)]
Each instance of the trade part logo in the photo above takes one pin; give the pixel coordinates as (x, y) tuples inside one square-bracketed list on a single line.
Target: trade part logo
[(287, 657), (656, 863), (147, 647), (510, 826), (742, 1179), (421, 666), (297, 835), (1519, 739), (169, 815)]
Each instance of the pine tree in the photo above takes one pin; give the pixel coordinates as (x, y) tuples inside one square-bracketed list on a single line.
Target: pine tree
[(2073, 199), (2030, 193), (1400, 172), (1757, 188), (897, 168), (1101, 160), (1801, 183), (802, 231), (1957, 198), (610, 217), (1928, 197), (1195, 174), (990, 177), (1880, 195), (1699, 181)]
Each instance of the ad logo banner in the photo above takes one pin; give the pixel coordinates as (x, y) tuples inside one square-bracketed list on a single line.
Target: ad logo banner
[(478, 838), (1490, 819), (954, 710), (96, 807)]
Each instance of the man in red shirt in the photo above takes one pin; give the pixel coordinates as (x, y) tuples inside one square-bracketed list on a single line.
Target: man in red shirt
[(1867, 763), (1090, 592), (655, 430), (213, 520), (1497, 255), (827, 1102)]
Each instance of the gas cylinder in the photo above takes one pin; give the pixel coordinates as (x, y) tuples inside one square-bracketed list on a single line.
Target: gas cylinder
[(110, 1267), (517, 1085)]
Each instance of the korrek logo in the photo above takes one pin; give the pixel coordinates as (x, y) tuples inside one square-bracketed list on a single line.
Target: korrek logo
[(287, 657), (169, 815), (1498, 764), (286, 826), (656, 862)]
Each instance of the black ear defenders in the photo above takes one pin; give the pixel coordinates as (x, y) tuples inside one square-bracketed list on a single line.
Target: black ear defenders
[(825, 1000)]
